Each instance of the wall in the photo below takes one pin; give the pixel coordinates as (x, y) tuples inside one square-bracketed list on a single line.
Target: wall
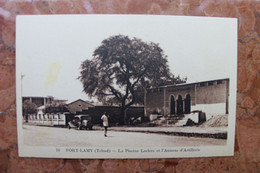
[(247, 144), (210, 94), (154, 101), (211, 109), (113, 112), (212, 99)]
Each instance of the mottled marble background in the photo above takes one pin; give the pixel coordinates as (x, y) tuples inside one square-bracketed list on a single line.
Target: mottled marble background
[(247, 145)]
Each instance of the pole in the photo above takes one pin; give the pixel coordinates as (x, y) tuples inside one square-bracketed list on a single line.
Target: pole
[(22, 76)]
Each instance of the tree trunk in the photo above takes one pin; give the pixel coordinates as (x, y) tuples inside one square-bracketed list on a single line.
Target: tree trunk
[(122, 116)]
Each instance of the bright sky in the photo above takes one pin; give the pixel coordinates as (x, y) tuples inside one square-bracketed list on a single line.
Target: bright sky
[(50, 48)]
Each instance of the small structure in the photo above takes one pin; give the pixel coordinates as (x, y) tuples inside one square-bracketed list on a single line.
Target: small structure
[(78, 106)]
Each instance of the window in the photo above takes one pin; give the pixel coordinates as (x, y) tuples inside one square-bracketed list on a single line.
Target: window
[(219, 82), (203, 84), (211, 83)]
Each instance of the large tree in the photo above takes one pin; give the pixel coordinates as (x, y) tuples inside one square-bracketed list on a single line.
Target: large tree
[(121, 67)]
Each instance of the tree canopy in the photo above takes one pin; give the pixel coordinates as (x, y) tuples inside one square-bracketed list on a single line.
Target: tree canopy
[(29, 108), (56, 107), (121, 67)]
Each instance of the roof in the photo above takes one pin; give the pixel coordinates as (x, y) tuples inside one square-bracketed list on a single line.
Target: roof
[(192, 83), (41, 107), (81, 101), (82, 115)]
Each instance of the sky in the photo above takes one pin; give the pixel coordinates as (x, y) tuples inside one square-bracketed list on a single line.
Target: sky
[(51, 48)]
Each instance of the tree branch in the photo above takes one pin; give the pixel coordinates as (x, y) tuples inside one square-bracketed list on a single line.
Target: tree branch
[(117, 94)]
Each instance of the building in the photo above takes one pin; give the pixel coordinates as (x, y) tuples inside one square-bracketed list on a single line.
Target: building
[(78, 106), (210, 97), (39, 101)]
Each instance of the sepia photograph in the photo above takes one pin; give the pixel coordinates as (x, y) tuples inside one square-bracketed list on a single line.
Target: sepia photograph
[(125, 86)]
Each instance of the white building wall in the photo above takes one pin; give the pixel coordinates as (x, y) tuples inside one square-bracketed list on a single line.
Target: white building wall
[(194, 117), (211, 109)]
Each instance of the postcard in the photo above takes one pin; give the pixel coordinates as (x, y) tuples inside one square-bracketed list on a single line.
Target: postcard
[(125, 86)]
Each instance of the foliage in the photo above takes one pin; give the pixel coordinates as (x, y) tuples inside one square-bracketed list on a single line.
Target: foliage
[(29, 108), (121, 67), (56, 107)]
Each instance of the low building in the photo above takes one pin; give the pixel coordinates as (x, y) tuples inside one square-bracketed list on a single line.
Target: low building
[(78, 106), (210, 97)]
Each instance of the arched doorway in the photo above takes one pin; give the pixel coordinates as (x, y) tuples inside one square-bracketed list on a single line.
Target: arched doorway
[(172, 105), (187, 104), (179, 105)]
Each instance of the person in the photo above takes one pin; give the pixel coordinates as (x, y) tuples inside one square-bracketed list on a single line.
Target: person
[(105, 123)]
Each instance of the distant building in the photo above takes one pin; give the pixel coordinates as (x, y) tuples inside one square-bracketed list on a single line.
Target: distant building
[(78, 106), (39, 101), (210, 97)]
